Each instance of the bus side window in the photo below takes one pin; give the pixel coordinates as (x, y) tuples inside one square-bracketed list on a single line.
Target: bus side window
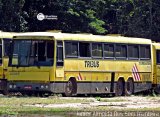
[(84, 49), (145, 52), (71, 49), (108, 51), (121, 51), (158, 56), (133, 51), (97, 50)]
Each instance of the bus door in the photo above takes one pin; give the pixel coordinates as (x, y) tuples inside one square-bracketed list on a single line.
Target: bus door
[(59, 74), (59, 62), (32, 60)]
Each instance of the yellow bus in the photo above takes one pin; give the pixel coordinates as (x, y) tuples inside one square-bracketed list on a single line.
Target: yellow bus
[(5, 40), (74, 64), (156, 67)]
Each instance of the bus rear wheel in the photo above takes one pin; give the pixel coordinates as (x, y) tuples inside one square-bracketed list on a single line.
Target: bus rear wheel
[(129, 87), (70, 88), (119, 87)]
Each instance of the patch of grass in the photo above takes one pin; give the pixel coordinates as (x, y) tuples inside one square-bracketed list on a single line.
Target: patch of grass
[(113, 100), (10, 110), (151, 98), (20, 109), (35, 100), (98, 98), (31, 110), (16, 105)]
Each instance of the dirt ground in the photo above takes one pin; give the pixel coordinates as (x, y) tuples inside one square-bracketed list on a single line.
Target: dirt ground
[(132, 102)]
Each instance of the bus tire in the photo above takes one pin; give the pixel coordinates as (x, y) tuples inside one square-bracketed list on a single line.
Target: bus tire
[(120, 87), (129, 87), (4, 87), (71, 87), (5, 92)]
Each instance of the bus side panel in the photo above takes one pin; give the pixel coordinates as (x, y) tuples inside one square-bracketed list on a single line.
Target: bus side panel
[(90, 76), (57, 87), (157, 85), (156, 70), (100, 77)]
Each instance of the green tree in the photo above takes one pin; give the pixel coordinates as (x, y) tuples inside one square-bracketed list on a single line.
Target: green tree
[(73, 16), (12, 15)]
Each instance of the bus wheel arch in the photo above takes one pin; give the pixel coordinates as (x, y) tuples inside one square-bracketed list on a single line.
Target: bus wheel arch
[(129, 86), (71, 87), (120, 87)]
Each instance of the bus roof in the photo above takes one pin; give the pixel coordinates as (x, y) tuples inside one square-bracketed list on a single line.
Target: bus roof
[(6, 35), (81, 37), (156, 45)]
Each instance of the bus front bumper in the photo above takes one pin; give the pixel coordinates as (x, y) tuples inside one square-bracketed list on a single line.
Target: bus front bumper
[(21, 87)]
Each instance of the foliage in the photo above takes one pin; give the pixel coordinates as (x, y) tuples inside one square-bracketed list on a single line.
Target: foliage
[(12, 15), (138, 18), (98, 98)]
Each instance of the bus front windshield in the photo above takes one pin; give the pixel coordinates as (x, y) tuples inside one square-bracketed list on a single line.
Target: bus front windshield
[(32, 53)]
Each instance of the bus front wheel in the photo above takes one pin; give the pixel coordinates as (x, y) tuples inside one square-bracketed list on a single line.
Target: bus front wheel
[(70, 88)]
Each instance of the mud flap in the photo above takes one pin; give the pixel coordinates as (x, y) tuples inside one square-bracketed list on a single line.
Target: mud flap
[(112, 82)]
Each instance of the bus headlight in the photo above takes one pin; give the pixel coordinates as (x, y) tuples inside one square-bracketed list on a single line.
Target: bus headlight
[(42, 87), (46, 86), (14, 86), (10, 86)]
